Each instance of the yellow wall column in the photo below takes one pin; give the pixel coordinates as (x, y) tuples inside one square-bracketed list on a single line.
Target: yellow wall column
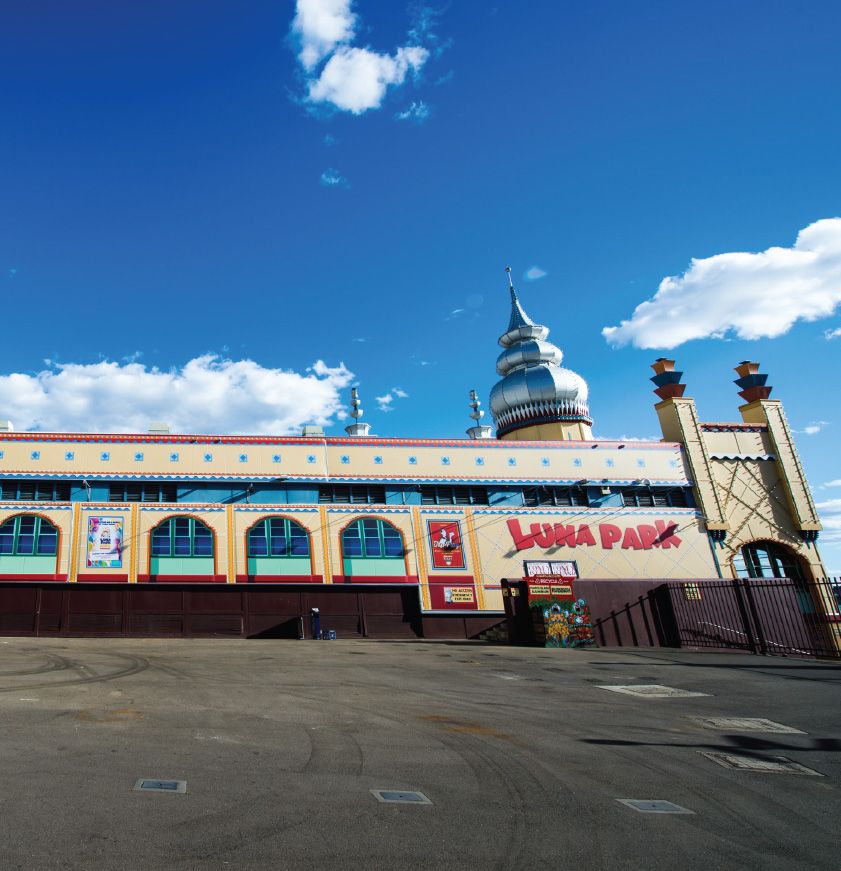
[(325, 545), (474, 558), (74, 542), (423, 575), (135, 544), (232, 565)]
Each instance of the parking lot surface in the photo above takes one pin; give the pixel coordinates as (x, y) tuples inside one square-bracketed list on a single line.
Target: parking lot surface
[(522, 754)]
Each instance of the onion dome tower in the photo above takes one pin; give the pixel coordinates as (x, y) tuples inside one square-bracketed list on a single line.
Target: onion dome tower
[(357, 429), (537, 398)]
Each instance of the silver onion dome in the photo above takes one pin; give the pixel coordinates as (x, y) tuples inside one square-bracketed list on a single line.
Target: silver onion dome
[(535, 388)]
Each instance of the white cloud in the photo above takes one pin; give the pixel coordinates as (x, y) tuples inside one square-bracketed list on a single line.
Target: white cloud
[(319, 26), (832, 334), (400, 394), (330, 140), (332, 178), (830, 515), (208, 395), (812, 429), (384, 402), (417, 112), (534, 273), (355, 79), (754, 295), (835, 483)]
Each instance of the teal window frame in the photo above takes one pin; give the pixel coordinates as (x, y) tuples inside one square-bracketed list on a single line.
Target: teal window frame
[(375, 539), (41, 536), (180, 533), (766, 559), (278, 538)]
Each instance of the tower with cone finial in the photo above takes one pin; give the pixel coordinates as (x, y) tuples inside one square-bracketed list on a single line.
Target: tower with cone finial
[(537, 398), (357, 429), (477, 431)]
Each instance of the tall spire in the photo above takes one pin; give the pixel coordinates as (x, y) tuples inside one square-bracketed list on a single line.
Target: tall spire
[(535, 391)]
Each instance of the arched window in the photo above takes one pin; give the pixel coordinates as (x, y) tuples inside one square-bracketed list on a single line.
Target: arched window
[(28, 546), (26, 535), (278, 546), (372, 547), (764, 559), (182, 546)]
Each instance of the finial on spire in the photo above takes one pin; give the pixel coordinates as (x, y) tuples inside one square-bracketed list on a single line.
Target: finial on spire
[(478, 432), (511, 282), (356, 429)]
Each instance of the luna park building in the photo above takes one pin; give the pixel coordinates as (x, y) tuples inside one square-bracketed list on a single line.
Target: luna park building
[(162, 534)]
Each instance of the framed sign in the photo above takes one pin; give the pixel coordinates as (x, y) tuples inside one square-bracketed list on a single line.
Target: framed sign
[(561, 568), (445, 544), (105, 543)]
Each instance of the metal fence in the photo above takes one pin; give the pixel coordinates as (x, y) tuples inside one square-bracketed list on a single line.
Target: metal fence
[(759, 615)]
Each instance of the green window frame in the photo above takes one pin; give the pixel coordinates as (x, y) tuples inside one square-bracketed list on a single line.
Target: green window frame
[(766, 560), (182, 537), (28, 535), (278, 538), (372, 538)]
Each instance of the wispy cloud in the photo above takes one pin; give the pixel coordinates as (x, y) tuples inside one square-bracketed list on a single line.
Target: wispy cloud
[(832, 334), (753, 295), (12, 273), (331, 178), (447, 77), (360, 340), (417, 112), (207, 395), (352, 79), (534, 273), (813, 427), (384, 402), (830, 515), (330, 140)]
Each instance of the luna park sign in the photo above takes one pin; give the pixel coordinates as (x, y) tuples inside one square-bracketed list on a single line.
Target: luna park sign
[(643, 536)]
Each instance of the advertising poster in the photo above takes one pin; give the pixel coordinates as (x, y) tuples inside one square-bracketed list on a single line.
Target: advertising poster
[(445, 544), (105, 543)]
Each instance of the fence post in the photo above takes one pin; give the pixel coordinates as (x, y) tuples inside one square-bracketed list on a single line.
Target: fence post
[(760, 633), (743, 614)]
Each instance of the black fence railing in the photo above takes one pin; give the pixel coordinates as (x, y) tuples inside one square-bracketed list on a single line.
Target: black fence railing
[(760, 615)]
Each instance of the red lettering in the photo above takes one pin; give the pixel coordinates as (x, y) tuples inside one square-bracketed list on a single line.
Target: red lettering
[(610, 534), (564, 535), (667, 537), (584, 535), (543, 539), (521, 540), (631, 539), (649, 536)]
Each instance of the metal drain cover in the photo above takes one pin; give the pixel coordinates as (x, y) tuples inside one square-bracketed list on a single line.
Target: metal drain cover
[(149, 785), (390, 795), (766, 765), (652, 691), (744, 724), (654, 806)]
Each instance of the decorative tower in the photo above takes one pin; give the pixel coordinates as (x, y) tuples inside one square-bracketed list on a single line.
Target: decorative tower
[(477, 431), (537, 398), (356, 429)]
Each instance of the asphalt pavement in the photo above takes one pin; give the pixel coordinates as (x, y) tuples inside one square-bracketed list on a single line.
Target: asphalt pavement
[(521, 753)]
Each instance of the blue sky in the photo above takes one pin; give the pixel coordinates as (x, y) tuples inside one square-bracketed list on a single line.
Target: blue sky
[(203, 200)]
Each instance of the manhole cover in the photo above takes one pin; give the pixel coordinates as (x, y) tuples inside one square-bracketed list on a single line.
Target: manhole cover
[(767, 764), (652, 691), (386, 795), (744, 724), (654, 806), (149, 785)]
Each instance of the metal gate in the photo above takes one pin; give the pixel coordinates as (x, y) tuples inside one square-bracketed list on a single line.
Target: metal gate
[(759, 615)]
